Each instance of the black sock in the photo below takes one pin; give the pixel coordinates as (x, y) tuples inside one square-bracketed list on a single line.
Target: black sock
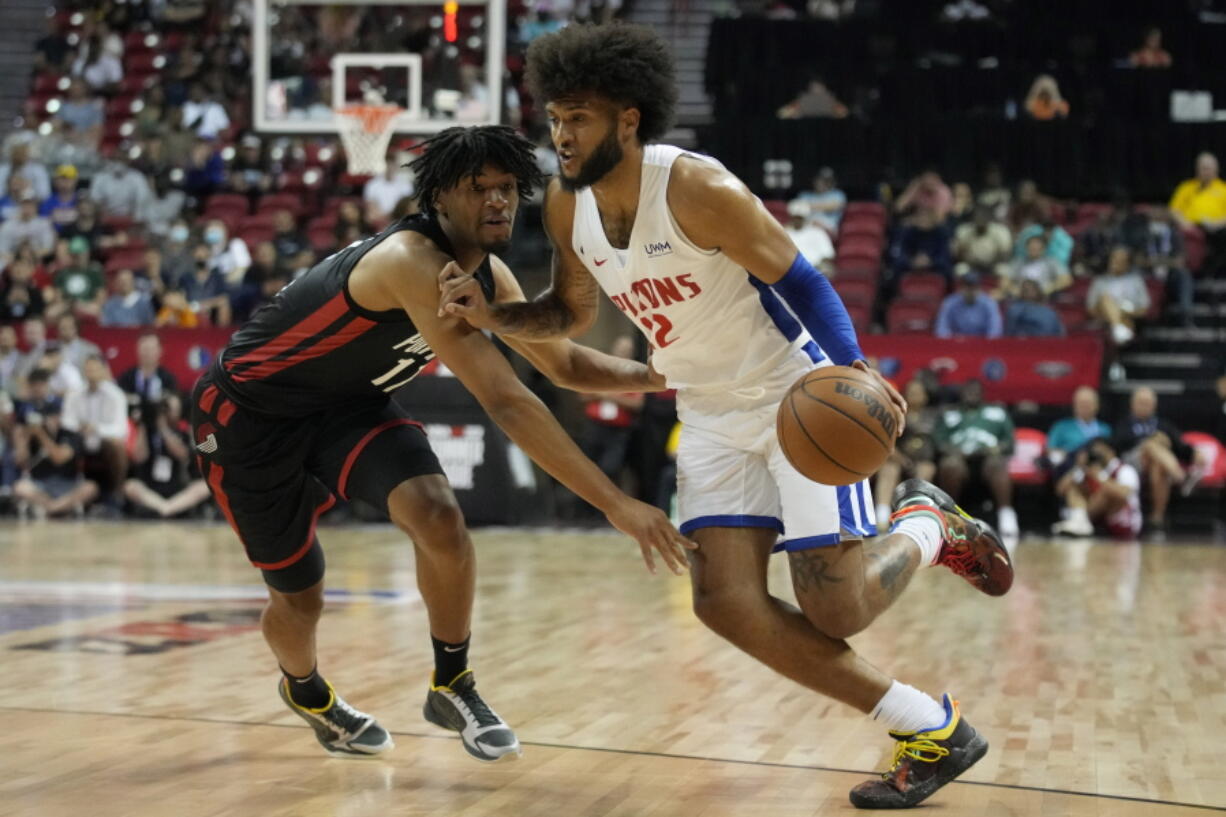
[(310, 691), (449, 660)]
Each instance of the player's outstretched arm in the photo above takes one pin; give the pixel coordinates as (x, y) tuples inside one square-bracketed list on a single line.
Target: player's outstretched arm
[(717, 211), (567, 364), (393, 275), (566, 310)]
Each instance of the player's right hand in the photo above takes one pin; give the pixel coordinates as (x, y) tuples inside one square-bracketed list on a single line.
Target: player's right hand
[(460, 295), (649, 526)]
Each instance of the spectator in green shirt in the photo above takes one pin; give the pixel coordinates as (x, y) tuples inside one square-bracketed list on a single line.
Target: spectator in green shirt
[(80, 287), (975, 440)]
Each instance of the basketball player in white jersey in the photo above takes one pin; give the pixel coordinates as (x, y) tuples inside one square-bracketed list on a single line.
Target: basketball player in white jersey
[(735, 315)]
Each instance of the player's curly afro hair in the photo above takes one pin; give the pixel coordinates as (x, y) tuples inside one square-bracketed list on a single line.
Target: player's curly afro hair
[(629, 64), (458, 153)]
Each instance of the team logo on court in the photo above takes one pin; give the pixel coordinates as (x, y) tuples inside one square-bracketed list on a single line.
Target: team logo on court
[(657, 248)]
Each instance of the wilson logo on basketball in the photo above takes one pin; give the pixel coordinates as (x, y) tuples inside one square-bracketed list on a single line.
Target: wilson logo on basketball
[(876, 410)]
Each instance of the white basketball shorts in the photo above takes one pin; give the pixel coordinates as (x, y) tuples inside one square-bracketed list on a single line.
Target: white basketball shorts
[(731, 472)]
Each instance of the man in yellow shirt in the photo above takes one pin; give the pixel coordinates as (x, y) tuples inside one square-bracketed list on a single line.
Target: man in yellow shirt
[(1202, 202)]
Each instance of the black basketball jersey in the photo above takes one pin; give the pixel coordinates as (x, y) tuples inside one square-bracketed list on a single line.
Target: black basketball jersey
[(312, 348)]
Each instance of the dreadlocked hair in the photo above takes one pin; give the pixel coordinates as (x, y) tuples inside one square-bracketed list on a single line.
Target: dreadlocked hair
[(459, 153), (629, 64)]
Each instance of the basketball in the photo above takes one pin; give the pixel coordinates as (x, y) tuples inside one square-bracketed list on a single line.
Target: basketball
[(836, 425)]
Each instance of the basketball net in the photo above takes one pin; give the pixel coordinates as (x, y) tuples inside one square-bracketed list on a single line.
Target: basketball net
[(366, 131)]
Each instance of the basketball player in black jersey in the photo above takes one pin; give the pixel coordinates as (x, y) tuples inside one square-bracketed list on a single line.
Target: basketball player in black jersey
[(296, 411)]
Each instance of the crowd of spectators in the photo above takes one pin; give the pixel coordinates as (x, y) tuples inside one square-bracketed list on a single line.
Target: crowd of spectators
[(1018, 263), (1117, 479)]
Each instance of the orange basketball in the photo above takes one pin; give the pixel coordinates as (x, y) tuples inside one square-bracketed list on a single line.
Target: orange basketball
[(836, 425)]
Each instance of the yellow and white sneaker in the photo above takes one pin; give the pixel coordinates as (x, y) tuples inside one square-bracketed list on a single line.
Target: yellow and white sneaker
[(458, 707), (342, 730)]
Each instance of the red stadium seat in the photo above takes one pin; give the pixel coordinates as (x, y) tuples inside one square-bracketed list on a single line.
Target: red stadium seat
[(256, 234), (862, 228), (227, 201), (263, 220), (1028, 446), (117, 224), (1157, 298), (910, 317), (46, 84), (873, 209), (143, 63), (127, 259), (1213, 454), (922, 286), (136, 83), (325, 222), (1074, 317), (1194, 248), (322, 239), (870, 274), (861, 317), (856, 291), (859, 245), (274, 202), (1075, 293), (777, 208)]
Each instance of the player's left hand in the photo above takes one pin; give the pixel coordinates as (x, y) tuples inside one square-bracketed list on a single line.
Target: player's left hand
[(886, 386), (460, 296)]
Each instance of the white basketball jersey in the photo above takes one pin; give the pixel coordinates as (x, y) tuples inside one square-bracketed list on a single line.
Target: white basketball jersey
[(710, 324)]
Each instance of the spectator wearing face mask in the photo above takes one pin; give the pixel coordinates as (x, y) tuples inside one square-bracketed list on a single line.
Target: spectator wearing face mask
[(229, 256)]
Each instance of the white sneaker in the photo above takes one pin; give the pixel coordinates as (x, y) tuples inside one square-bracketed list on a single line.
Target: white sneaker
[(1195, 474), (1074, 526), (1121, 334), (458, 707), (1006, 520)]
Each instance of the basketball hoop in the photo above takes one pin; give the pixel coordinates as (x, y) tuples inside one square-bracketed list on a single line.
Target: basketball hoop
[(365, 132)]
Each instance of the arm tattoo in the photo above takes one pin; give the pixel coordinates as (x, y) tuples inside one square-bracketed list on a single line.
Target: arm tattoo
[(552, 313), (811, 570)]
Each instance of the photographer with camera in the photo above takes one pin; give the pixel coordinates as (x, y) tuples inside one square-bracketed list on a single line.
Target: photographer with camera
[(164, 480), (49, 458), (1101, 489)]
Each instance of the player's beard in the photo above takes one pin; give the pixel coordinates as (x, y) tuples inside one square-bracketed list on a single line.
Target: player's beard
[(603, 159)]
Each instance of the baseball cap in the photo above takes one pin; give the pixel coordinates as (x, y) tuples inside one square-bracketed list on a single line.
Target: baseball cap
[(66, 171)]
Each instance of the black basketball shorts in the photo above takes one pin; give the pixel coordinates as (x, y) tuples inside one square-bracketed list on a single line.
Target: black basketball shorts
[(273, 477)]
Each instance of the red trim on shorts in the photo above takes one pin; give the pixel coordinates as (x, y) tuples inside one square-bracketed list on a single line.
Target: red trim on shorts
[(349, 332), (225, 412), (352, 457), (208, 398), (307, 328), (310, 540), (216, 472)]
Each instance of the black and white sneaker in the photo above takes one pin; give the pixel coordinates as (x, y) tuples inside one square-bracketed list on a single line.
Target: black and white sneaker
[(342, 730), (458, 707)]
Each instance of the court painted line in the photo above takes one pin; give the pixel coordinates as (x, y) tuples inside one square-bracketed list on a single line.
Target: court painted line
[(610, 750), (184, 592)]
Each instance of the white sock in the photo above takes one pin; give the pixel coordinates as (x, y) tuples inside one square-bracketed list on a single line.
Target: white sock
[(905, 709), (1007, 518), (925, 531)]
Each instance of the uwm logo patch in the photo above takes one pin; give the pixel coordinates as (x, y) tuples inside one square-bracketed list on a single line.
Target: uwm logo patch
[(657, 248)]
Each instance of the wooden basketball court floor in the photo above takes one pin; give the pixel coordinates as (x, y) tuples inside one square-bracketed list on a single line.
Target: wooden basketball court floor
[(134, 681)]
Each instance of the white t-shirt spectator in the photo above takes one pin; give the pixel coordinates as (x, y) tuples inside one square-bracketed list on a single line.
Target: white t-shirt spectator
[(233, 261), (211, 116), (14, 232), (105, 408), (382, 193), (104, 71), (125, 194), (1128, 290), (813, 242), (31, 171)]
